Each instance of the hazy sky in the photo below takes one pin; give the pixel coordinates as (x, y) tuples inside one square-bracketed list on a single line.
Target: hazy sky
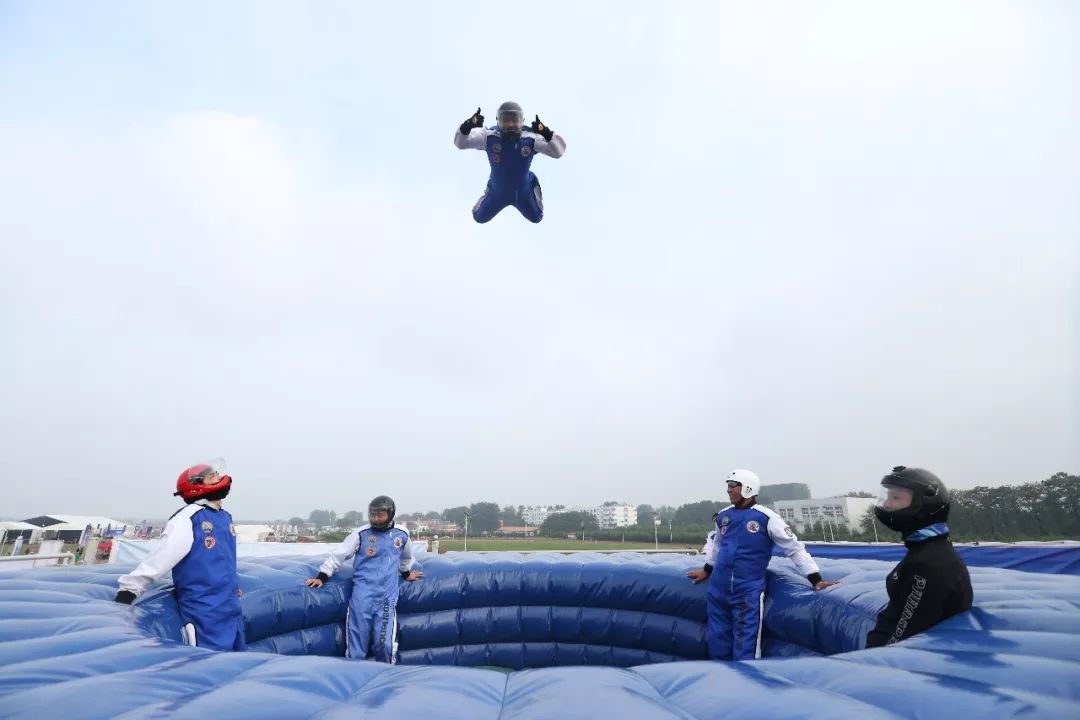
[(814, 240)]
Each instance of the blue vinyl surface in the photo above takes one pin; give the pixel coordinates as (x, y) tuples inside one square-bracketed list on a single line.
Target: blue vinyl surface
[(589, 635)]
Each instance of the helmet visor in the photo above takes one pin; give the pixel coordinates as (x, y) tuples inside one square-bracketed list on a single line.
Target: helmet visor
[(511, 121), (211, 472), (893, 497)]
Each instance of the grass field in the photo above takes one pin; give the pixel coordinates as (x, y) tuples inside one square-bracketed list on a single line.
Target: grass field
[(547, 544)]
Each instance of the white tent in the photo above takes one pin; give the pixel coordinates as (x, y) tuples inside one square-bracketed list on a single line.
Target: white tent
[(79, 522), (253, 533), (10, 529)]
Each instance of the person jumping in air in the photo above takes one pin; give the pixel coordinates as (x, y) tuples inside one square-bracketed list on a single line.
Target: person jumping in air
[(510, 149)]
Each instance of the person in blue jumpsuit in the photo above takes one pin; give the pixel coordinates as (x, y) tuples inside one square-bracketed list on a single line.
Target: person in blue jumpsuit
[(198, 545), (510, 150), (382, 558), (736, 555)]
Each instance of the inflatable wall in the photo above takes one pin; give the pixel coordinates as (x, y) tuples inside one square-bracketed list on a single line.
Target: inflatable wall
[(587, 635)]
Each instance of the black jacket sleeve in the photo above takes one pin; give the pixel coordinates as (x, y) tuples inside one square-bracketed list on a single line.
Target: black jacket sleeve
[(915, 605)]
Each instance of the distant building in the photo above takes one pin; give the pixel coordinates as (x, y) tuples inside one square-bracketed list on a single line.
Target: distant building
[(609, 517), (442, 527), (771, 494), (522, 530), (848, 511), (537, 514), (255, 533)]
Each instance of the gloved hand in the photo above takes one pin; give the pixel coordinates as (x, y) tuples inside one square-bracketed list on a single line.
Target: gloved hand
[(477, 120), (125, 596), (541, 129)]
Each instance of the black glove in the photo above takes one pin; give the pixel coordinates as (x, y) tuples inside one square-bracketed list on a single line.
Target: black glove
[(125, 596), (541, 129), (477, 120)]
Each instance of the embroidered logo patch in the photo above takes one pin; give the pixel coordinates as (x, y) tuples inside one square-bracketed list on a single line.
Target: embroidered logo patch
[(397, 542), (526, 151), (752, 526), (210, 542), (207, 526), (371, 551)]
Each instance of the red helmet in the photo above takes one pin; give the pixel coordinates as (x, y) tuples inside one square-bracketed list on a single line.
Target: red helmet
[(205, 480)]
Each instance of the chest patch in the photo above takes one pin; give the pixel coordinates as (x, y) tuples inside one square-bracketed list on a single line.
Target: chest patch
[(207, 526), (210, 542), (753, 526), (397, 542)]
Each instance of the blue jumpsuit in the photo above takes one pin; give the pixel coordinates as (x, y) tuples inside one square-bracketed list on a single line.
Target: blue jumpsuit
[(380, 558), (511, 181), (206, 583), (739, 551), (198, 545)]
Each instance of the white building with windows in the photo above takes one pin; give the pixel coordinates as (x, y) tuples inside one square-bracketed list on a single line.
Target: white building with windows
[(537, 514), (614, 516), (848, 511)]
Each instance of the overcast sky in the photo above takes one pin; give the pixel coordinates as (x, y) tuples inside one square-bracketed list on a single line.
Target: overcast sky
[(813, 240)]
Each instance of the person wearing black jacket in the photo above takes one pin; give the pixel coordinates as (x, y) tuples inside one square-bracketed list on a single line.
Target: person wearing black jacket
[(931, 583)]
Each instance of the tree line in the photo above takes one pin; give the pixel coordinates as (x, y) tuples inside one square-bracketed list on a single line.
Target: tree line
[(1048, 509)]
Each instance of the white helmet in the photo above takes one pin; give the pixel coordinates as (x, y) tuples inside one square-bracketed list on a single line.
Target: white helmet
[(749, 480)]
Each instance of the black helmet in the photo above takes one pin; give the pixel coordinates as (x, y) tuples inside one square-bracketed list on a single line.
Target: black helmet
[(382, 502), (929, 500)]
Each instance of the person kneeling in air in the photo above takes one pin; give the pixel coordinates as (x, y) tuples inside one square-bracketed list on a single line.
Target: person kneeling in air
[(510, 149)]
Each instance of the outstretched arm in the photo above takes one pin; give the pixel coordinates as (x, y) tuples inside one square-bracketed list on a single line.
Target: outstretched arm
[(710, 551), (338, 555), (475, 140), (471, 134), (547, 141), (174, 545), (782, 534)]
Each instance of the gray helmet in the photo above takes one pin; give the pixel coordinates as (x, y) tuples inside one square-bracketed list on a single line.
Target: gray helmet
[(512, 114), (382, 502)]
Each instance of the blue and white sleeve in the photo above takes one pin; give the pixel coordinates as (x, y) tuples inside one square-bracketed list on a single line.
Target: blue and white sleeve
[(173, 546), (340, 554), (475, 140), (711, 548)]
